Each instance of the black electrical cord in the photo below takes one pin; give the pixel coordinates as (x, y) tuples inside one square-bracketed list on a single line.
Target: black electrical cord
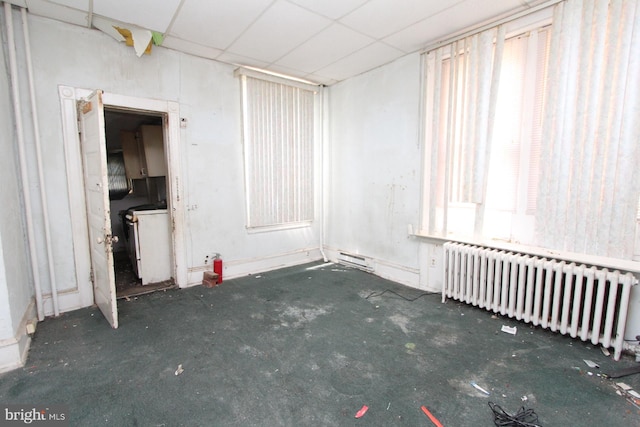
[(379, 294), (522, 418)]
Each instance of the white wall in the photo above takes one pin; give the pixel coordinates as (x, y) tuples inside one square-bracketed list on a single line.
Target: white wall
[(374, 179), (16, 290), (211, 148), (375, 170)]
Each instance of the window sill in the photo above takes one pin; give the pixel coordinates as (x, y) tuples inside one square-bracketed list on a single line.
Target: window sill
[(578, 258)]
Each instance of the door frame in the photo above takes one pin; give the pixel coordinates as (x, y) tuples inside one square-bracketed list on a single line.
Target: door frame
[(82, 296)]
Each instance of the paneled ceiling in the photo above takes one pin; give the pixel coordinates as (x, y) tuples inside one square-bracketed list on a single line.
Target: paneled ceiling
[(323, 41)]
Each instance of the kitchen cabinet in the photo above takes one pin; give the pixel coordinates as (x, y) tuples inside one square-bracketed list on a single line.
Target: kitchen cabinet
[(143, 152), (133, 160), (153, 147)]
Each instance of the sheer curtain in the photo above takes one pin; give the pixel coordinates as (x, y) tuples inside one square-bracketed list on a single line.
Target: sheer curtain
[(590, 155), (463, 76)]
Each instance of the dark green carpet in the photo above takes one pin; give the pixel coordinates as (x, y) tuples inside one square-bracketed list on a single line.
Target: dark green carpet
[(306, 347)]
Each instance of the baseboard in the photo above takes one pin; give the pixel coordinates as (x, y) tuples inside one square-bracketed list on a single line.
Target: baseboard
[(245, 267), (398, 273), (402, 274), (68, 300), (14, 351)]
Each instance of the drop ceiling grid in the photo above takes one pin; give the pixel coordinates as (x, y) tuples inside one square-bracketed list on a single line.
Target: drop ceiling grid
[(150, 14), (381, 18), (321, 40), (219, 30), (281, 28), (326, 47), (447, 22), (360, 61), (332, 9), (322, 55)]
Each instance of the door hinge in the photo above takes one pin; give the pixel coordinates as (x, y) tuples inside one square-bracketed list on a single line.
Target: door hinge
[(79, 106), (91, 277)]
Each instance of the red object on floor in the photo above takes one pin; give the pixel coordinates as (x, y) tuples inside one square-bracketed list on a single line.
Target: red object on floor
[(362, 411), (433, 419), (217, 267)]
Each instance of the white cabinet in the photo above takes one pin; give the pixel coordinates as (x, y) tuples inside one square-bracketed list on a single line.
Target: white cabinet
[(133, 159), (153, 146), (150, 245), (143, 152)]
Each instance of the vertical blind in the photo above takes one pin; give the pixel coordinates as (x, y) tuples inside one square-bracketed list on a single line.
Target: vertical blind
[(572, 90), (590, 154), (462, 80), (278, 122)]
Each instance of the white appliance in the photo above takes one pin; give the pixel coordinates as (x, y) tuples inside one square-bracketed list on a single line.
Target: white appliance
[(149, 244)]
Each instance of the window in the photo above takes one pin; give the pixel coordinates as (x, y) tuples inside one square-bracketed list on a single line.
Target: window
[(278, 137), (533, 139), (469, 151)]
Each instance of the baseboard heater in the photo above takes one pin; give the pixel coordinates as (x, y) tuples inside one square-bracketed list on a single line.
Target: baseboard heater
[(582, 301), (356, 261)]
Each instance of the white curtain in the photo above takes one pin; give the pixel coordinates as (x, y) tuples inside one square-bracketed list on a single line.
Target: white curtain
[(590, 185), (463, 77)]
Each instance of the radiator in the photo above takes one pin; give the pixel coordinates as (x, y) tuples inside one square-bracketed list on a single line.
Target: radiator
[(589, 303)]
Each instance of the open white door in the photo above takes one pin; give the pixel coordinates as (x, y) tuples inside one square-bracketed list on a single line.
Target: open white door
[(94, 161)]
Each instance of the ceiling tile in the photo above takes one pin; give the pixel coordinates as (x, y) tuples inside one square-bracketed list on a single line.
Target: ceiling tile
[(280, 29), (380, 18), (149, 14), (74, 4), (285, 71), (365, 59), (333, 9), (19, 3), (485, 10), (232, 58), (190, 47), (421, 34), (58, 12), (327, 81), (333, 43), (450, 21), (216, 23)]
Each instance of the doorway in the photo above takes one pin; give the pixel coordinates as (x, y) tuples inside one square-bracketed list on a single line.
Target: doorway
[(91, 234), (137, 170)]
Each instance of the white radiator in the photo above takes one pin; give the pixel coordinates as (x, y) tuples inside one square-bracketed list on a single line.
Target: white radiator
[(589, 303)]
